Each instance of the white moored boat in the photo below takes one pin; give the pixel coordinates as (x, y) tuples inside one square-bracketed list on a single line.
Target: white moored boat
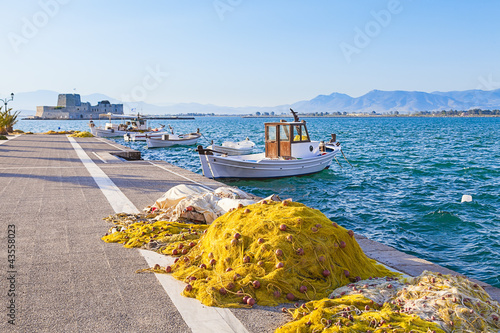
[(128, 124), (288, 152), (244, 147), (141, 136), (169, 140)]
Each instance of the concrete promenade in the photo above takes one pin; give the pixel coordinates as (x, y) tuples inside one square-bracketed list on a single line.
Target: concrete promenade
[(53, 196)]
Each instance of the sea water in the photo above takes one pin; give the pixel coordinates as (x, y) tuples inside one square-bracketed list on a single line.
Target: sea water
[(404, 189)]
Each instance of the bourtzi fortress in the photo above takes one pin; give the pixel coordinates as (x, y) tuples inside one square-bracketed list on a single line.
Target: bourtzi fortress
[(69, 106)]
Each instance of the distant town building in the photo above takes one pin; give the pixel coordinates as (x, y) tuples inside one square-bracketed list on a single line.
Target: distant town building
[(69, 106)]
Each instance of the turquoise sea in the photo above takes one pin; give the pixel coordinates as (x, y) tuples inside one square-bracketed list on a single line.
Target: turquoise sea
[(405, 188)]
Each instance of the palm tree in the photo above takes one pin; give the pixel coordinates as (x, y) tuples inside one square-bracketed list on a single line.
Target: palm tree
[(3, 129), (7, 120)]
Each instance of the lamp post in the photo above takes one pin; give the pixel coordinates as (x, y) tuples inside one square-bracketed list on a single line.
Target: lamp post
[(5, 100)]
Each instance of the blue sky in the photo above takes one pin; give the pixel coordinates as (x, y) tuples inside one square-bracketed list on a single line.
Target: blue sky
[(248, 52)]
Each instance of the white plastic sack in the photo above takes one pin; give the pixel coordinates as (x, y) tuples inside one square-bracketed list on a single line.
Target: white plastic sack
[(205, 204), (232, 193), (176, 194)]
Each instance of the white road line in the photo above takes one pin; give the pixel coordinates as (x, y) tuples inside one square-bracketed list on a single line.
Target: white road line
[(116, 198), (99, 157), (198, 317), (175, 173)]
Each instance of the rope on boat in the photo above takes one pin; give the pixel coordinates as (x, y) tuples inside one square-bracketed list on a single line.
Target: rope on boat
[(337, 161), (346, 158), (206, 138)]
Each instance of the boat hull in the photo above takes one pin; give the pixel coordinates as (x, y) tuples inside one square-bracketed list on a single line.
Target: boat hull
[(160, 143), (216, 166), (131, 136), (106, 133)]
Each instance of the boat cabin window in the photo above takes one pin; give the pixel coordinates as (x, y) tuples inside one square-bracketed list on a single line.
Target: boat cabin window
[(300, 133), (271, 133), (284, 132)]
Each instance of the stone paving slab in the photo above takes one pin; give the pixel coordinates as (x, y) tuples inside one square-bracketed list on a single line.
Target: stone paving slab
[(68, 280)]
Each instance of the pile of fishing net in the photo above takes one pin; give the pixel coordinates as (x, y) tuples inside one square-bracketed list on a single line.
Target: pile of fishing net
[(58, 132), (269, 253), (431, 302), (158, 236), (162, 223), (186, 203), (81, 134), (198, 204)]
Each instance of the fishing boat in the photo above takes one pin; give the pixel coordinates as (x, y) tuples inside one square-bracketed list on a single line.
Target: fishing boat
[(127, 124), (231, 148), (141, 136), (169, 140), (289, 151)]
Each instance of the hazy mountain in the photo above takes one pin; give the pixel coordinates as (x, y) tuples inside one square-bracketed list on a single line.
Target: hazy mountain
[(489, 99), (375, 100), (402, 101), (26, 102)]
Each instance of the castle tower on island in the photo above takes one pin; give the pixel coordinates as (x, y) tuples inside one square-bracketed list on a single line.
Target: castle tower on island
[(69, 106)]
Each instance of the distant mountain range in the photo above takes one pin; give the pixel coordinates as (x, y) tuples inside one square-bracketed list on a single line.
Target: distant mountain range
[(376, 100), (403, 101)]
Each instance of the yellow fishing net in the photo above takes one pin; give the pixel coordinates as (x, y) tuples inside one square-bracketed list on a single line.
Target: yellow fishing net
[(272, 252), (82, 134), (353, 313), (275, 252), (58, 132), (156, 235), (456, 303), (431, 302)]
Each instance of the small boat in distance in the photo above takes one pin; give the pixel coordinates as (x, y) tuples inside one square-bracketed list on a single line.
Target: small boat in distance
[(141, 136), (231, 148), (170, 140), (288, 152), (110, 129)]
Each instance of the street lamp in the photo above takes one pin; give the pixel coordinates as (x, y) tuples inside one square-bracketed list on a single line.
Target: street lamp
[(5, 100)]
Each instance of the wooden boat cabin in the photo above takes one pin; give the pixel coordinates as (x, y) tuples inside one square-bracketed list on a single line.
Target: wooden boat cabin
[(281, 136)]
